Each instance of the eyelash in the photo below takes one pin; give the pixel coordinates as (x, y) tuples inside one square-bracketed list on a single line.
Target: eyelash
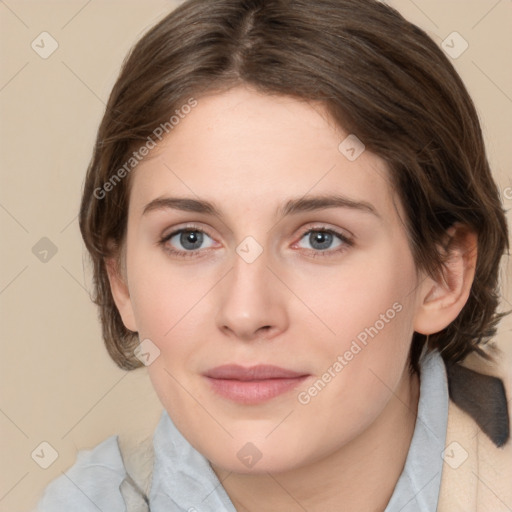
[(347, 242), (175, 252)]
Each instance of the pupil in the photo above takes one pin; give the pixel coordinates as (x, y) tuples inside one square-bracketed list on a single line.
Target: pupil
[(191, 239), (320, 239)]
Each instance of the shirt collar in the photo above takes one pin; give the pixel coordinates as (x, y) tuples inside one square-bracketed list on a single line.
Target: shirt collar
[(183, 480), (417, 489)]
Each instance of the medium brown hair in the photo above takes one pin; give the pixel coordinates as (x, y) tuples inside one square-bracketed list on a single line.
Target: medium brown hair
[(380, 78)]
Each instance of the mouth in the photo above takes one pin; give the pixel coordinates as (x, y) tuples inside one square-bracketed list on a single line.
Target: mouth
[(252, 385)]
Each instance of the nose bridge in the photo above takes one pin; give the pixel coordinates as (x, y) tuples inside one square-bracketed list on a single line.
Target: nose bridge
[(250, 276), (251, 302)]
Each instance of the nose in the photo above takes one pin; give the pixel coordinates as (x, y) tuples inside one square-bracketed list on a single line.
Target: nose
[(251, 301)]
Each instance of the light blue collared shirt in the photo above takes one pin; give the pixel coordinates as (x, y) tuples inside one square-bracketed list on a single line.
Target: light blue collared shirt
[(183, 480)]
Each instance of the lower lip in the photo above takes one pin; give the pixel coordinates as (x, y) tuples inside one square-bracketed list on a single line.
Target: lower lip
[(254, 392)]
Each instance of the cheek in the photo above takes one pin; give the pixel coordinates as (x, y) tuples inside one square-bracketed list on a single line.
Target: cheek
[(170, 309), (371, 294), (369, 307), (161, 295), (363, 373)]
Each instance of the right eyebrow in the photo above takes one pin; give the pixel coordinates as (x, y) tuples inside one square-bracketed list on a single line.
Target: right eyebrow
[(182, 203)]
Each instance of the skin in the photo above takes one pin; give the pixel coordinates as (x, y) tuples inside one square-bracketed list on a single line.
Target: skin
[(249, 154)]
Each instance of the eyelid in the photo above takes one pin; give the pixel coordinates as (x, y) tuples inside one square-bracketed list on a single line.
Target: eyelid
[(347, 240), (344, 234), (189, 226), (164, 239)]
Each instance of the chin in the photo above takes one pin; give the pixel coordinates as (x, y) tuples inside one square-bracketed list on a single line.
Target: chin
[(246, 457)]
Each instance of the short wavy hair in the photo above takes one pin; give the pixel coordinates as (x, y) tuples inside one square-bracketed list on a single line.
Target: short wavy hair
[(379, 76)]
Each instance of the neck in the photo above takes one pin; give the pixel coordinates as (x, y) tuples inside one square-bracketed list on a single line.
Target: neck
[(372, 461)]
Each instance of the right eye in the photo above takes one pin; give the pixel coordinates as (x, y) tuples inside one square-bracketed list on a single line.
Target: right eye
[(187, 241)]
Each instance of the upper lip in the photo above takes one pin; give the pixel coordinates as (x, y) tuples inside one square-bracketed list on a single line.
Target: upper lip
[(258, 372)]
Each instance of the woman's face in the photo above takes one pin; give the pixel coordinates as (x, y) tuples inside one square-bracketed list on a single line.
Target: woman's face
[(295, 258)]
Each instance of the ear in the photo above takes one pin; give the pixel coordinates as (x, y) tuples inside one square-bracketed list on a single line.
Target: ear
[(442, 298), (120, 292)]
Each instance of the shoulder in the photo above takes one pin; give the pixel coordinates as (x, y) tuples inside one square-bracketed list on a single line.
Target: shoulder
[(92, 483)]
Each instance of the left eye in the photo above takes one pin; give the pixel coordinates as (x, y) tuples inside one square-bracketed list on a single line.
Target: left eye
[(321, 240), (189, 239)]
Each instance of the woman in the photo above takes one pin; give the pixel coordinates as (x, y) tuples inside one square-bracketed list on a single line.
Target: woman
[(294, 226)]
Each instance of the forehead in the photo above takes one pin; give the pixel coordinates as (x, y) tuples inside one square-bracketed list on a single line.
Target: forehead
[(241, 148)]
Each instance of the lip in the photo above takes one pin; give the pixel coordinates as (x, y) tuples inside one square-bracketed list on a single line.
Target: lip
[(257, 372), (254, 384)]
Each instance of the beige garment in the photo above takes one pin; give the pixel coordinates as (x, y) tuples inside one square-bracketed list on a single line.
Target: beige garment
[(483, 481)]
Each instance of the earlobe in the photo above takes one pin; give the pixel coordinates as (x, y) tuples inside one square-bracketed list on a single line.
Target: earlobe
[(120, 293), (442, 298)]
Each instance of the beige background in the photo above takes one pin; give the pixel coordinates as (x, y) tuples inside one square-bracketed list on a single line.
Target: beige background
[(57, 383)]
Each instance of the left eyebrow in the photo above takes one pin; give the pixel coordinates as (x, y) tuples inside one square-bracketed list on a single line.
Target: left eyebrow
[(307, 204)]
